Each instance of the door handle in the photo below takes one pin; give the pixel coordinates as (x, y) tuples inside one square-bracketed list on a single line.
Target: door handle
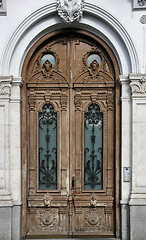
[(73, 182)]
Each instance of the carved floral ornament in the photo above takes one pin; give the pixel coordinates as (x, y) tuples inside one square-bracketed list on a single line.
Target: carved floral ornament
[(70, 10), (141, 2), (138, 87), (143, 19), (46, 218), (95, 68), (94, 61), (5, 88), (47, 199), (47, 68), (48, 61)]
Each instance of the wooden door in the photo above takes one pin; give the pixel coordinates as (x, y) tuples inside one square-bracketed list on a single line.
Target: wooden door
[(68, 140)]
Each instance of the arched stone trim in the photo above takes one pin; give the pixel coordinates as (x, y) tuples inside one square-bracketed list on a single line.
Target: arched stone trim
[(46, 24), (104, 15)]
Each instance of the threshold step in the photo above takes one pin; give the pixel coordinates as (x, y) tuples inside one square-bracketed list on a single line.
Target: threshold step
[(72, 238)]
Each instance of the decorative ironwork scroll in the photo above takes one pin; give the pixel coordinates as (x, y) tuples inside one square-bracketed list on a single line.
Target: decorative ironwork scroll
[(93, 148), (47, 148), (70, 10)]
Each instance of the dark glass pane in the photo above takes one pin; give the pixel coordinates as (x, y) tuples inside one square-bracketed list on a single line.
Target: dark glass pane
[(48, 148), (93, 148)]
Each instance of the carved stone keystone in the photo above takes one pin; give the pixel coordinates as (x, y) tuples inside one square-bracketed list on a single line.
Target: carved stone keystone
[(70, 10)]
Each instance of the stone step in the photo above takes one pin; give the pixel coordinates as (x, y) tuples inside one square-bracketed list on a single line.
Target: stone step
[(74, 239)]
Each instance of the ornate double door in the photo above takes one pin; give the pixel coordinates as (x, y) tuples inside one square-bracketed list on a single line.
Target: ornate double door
[(69, 97)]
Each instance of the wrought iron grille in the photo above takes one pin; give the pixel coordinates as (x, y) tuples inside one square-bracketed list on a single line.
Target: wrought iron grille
[(47, 148), (93, 148)]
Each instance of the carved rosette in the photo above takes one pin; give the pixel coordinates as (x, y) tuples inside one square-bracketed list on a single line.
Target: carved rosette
[(138, 87), (94, 220), (70, 10), (47, 219)]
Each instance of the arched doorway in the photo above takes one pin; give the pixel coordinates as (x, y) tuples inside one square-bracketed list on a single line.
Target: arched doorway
[(70, 138)]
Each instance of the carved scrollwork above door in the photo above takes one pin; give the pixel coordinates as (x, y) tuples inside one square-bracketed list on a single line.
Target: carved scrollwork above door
[(95, 68), (46, 68)]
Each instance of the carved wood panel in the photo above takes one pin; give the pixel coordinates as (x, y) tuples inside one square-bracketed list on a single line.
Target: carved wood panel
[(71, 74)]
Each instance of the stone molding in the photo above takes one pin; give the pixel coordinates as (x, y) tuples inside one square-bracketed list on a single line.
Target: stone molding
[(124, 82), (47, 10), (17, 81), (137, 199), (2, 7), (16, 85), (70, 10), (138, 85)]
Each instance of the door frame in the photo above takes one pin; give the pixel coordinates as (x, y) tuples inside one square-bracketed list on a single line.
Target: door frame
[(24, 143)]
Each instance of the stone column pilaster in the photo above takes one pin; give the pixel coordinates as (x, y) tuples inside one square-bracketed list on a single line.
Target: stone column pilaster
[(5, 94), (138, 188), (10, 158), (15, 139), (125, 152)]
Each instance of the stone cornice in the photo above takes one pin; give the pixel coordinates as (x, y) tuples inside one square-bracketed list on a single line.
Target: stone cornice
[(17, 81), (123, 79), (2, 7), (138, 85)]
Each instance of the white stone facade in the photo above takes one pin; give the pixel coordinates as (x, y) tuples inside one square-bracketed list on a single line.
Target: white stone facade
[(119, 24)]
